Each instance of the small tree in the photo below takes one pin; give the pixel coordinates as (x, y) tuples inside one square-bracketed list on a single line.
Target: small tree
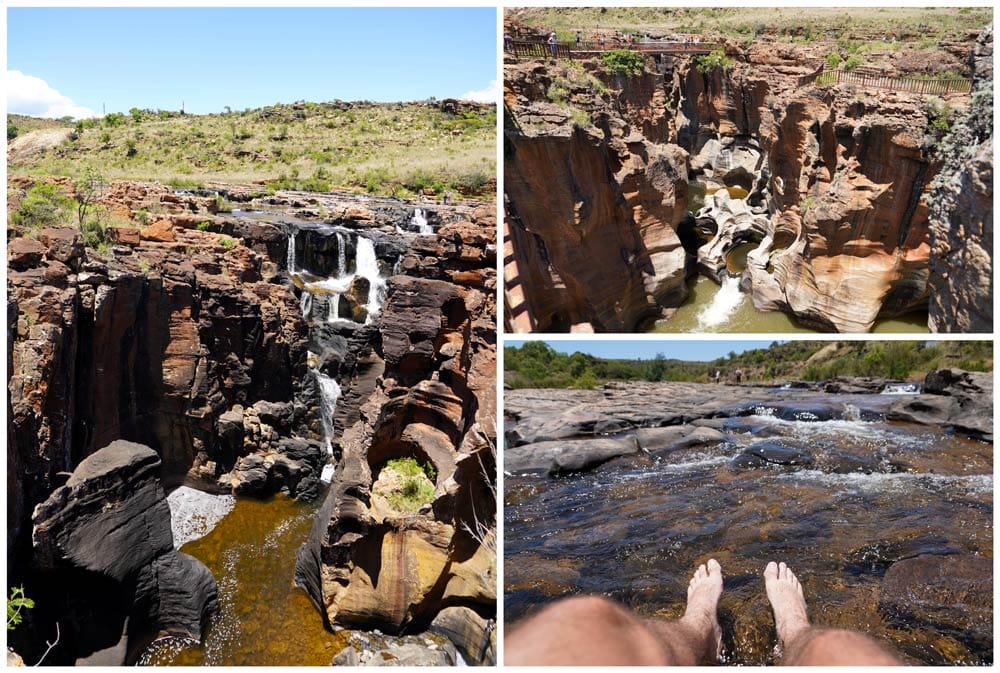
[(12, 130), (89, 189)]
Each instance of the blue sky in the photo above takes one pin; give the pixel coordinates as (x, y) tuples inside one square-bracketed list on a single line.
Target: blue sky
[(78, 59), (701, 351)]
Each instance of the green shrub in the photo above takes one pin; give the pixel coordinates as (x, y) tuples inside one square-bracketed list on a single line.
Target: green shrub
[(623, 62), (44, 205), (833, 60), (715, 59), (114, 119), (204, 226), (226, 242), (15, 603), (853, 61), (11, 130)]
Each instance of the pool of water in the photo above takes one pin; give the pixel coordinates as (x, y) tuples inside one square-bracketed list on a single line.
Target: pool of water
[(263, 619), (700, 312), (635, 529)]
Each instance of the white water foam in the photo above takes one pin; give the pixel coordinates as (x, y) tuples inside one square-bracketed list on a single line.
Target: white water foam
[(724, 304), (193, 513), (329, 391), (901, 389), (883, 482), (420, 222), (367, 267)]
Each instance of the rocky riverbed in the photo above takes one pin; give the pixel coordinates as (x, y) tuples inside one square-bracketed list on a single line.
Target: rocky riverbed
[(880, 497), (238, 348)]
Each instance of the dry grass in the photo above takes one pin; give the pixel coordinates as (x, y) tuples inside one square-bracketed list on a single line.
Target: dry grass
[(906, 24), (384, 148)]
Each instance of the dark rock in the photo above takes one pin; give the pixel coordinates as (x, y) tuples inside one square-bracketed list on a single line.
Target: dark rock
[(771, 453), (557, 457), (104, 542), (64, 244), (952, 398)]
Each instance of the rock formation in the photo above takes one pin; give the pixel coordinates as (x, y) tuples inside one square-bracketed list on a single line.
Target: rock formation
[(594, 204), (368, 565), (961, 263), (110, 604), (836, 180), (952, 398)]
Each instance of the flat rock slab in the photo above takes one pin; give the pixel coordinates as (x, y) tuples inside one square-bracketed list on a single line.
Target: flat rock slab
[(661, 441), (566, 456)]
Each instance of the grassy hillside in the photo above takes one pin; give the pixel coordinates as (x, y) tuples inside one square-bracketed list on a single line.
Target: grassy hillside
[(537, 365), (386, 148), (928, 25)]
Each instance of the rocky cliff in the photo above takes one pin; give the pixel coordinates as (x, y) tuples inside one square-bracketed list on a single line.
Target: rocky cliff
[(831, 181), (215, 340), (368, 563), (962, 211)]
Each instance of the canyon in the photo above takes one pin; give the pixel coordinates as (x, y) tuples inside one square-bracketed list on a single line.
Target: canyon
[(283, 351), (823, 201)]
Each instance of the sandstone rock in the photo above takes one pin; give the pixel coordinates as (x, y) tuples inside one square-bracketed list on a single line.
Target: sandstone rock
[(474, 636), (571, 456), (663, 441), (64, 244), (104, 542), (24, 253), (124, 235), (161, 231)]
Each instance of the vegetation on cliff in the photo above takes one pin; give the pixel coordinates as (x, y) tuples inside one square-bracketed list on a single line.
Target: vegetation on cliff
[(538, 365), (384, 148)]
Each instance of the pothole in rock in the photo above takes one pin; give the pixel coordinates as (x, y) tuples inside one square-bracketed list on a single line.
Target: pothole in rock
[(403, 486)]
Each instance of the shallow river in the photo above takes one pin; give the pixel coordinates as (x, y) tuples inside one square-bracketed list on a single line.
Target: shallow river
[(636, 528)]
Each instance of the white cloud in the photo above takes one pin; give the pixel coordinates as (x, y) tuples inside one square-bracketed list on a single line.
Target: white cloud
[(33, 96), (488, 95)]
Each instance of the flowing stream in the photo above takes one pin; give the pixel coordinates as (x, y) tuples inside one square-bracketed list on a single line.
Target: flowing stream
[(875, 492)]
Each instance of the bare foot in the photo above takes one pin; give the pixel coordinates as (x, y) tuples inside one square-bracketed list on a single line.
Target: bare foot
[(787, 601), (704, 592)]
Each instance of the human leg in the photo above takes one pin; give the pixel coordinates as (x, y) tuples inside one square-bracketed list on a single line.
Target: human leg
[(595, 631), (805, 645)]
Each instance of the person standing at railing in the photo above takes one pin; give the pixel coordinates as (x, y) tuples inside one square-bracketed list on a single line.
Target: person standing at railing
[(508, 42), (578, 40), (552, 44)]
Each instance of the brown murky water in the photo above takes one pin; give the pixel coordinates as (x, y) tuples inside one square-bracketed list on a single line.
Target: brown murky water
[(263, 619), (635, 529)]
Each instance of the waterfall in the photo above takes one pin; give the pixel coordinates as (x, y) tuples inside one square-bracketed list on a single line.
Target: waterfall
[(291, 253), (724, 304), (341, 255), (329, 392), (305, 303), (420, 222), (367, 267), (333, 310)]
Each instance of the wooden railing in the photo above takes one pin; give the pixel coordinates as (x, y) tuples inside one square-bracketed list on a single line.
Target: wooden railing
[(874, 79), (539, 48)]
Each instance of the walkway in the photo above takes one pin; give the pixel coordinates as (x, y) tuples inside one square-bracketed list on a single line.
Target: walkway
[(871, 78), (539, 48), (518, 316)]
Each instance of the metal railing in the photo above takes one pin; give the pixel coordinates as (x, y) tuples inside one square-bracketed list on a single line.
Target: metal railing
[(871, 78), (539, 48)]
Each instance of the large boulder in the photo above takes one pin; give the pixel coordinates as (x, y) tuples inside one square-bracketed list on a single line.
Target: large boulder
[(951, 398), (104, 545)]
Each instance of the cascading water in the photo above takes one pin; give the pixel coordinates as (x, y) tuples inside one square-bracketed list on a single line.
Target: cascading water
[(366, 266), (901, 389), (329, 393), (420, 222), (724, 304)]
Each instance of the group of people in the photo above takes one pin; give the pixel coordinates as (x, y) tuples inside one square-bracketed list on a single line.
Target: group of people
[(595, 631), (737, 376)]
